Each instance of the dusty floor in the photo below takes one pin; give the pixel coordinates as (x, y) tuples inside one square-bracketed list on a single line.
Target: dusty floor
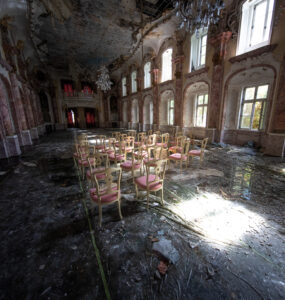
[(226, 239)]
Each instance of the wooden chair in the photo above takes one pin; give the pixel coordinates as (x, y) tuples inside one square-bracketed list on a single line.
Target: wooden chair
[(119, 155), (199, 152), (97, 166), (132, 133), (134, 164), (100, 142), (181, 157), (107, 193), (153, 180), (164, 140), (116, 135), (177, 146), (140, 139), (109, 146), (149, 132), (83, 161)]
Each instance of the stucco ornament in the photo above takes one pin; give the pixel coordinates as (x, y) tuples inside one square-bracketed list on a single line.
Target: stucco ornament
[(104, 83)]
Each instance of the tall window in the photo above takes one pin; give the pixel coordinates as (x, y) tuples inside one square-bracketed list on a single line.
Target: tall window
[(255, 25), (124, 86), (198, 49), (253, 107), (201, 110), (166, 65), (134, 81), (147, 75), (171, 112)]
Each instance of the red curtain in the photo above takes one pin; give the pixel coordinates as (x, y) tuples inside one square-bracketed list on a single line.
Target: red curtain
[(69, 118), (68, 90), (87, 90), (90, 119)]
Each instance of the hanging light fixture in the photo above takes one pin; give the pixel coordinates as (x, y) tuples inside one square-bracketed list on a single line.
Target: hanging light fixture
[(197, 14), (104, 83)]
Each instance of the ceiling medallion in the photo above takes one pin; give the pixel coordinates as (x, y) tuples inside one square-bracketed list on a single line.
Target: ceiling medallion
[(104, 83), (196, 14)]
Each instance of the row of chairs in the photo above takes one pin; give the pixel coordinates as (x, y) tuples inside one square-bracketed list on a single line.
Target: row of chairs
[(144, 154)]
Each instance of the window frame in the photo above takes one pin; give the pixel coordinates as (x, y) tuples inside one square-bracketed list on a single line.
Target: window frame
[(134, 84), (197, 105), (147, 76), (163, 67), (247, 21), (170, 111), (263, 111), (196, 50), (124, 86)]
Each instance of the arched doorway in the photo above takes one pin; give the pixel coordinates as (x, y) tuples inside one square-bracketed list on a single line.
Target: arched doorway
[(166, 108), (147, 112)]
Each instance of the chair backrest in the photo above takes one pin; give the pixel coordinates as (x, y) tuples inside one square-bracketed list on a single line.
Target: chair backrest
[(141, 136), (185, 147), (180, 140), (157, 132), (149, 132), (165, 138), (116, 135), (132, 133), (179, 133), (155, 152), (120, 148), (204, 144), (111, 142), (82, 137), (123, 136), (129, 141), (158, 169), (82, 149), (138, 154), (109, 181), (151, 140)]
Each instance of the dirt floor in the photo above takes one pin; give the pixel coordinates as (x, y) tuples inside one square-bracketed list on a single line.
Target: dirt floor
[(220, 235)]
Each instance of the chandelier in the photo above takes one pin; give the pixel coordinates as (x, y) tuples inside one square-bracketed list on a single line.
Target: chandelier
[(104, 82), (197, 14)]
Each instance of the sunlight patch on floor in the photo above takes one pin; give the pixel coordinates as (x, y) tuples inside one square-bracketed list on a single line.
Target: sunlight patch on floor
[(217, 218)]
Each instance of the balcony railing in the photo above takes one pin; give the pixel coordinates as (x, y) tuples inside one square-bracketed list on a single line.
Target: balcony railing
[(75, 95)]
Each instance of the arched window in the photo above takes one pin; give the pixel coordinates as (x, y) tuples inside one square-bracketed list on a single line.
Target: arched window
[(166, 65), (256, 25), (201, 110), (124, 86), (147, 75), (166, 108), (198, 49), (134, 81)]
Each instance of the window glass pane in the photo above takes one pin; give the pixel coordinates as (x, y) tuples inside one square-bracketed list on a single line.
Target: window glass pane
[(171, 116), (246, 115), (204, 116), (262, 123), (167, 65), (249, 93), (124, 88), (147, 76), (262, 92), (172, 103), (206, 99), (257, 115), (200, 99), (134, 81), (258, 23), (199, 119)]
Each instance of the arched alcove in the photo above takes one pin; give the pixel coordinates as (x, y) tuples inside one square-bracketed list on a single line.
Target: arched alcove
[(135, 111), (191, 94), (253, 77), (166, 108)]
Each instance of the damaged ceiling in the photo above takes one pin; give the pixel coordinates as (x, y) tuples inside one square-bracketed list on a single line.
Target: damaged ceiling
[(90, 33)]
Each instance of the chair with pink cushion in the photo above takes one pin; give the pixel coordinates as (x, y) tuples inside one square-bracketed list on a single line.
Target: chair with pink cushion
[(164, 138), (181, 157), (134, 164), (152, 182), (140, 139), (107, 193), (119, 155), (199, 152), (98, 164), (100, 142), (177, 144)]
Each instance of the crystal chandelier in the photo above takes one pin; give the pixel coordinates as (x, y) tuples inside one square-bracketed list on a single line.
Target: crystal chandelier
[(197, 14), (104, 82)]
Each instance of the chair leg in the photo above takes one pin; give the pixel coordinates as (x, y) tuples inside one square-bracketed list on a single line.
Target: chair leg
[(137, 191), (119, 208), (162, 197), (147, 199)]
